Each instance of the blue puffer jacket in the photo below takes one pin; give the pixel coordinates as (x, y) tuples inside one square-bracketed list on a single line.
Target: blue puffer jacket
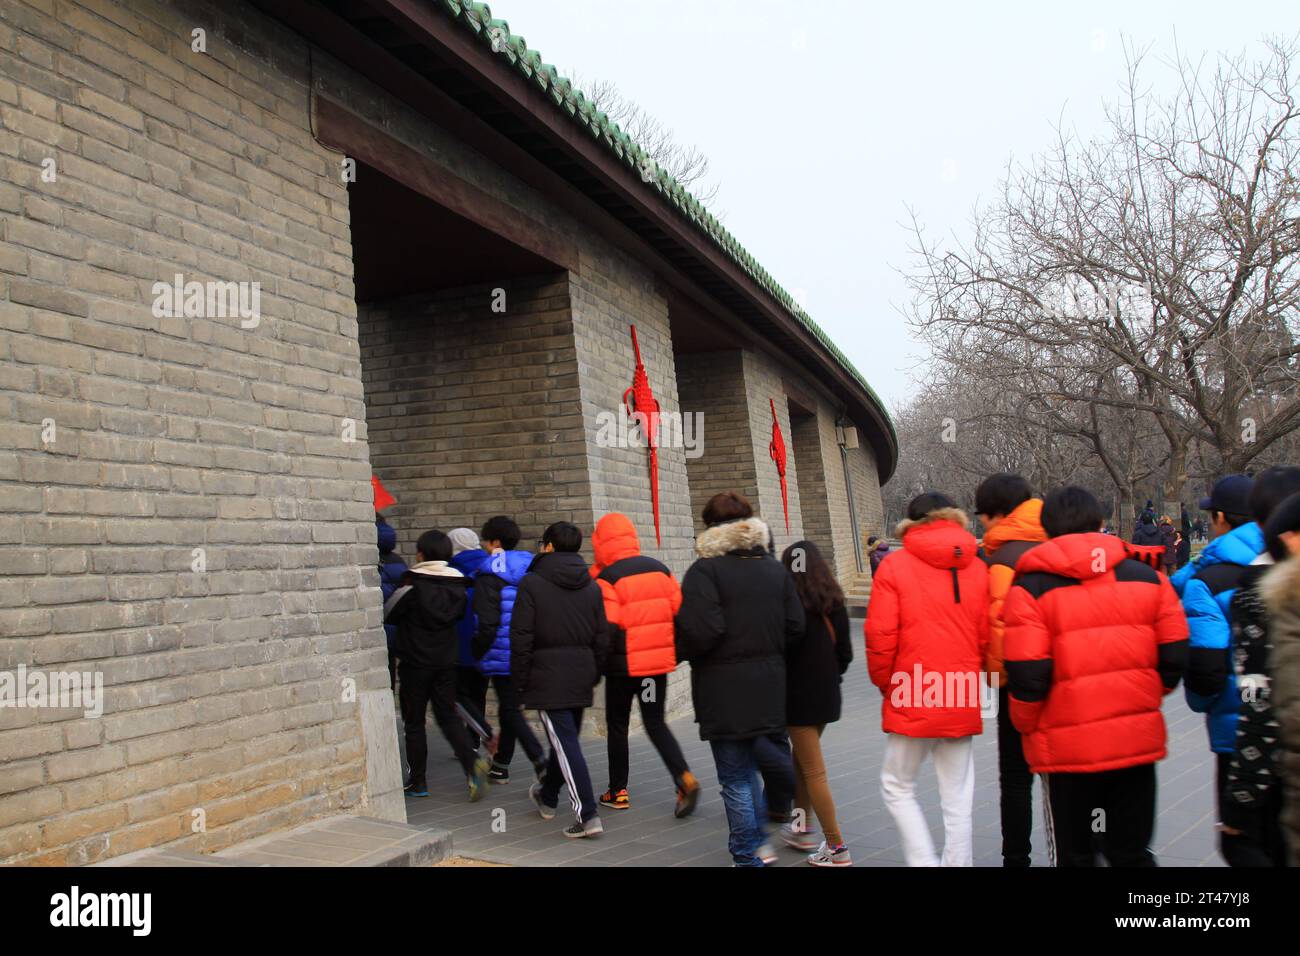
[(468, 564), (1206, 587), (510, 567), (391, 569)]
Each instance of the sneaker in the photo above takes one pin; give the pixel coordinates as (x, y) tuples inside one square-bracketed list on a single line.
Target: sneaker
[(499, 774), (535, 795), (592, 828), (828, 855), (767, 853), (616, 800), (688, 794), (477, 779), (802, 840), (416, 790)]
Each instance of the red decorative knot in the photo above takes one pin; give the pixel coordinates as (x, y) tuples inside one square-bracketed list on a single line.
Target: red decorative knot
[(643, 407), (776, 448)]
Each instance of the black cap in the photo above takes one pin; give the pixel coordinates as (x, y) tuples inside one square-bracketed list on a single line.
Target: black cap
[(1231, 495)]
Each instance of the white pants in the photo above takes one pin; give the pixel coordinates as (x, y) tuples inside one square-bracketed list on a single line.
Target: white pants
[(954, 763)]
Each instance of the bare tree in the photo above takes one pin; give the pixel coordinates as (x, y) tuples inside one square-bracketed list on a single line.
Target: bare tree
[(1154, 272)]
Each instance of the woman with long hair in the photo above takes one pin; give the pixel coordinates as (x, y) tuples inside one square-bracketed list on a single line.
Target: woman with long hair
[(814, 671)]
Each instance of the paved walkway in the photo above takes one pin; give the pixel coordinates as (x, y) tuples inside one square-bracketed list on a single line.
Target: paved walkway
[(504, 828)]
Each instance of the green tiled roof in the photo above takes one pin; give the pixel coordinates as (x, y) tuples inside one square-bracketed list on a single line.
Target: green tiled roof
[(477, 18)]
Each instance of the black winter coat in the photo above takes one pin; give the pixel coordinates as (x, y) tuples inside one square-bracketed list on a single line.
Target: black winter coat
[(559, 637), (1147, 534), (816, 668), (427, 609), (740, 617)]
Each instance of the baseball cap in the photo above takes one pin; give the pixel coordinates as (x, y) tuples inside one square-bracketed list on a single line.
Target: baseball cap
[(1231, 494)]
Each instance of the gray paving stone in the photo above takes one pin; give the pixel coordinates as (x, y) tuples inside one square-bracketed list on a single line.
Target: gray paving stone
[(648, 835)]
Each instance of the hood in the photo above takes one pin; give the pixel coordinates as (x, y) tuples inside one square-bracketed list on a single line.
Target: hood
[(882, 546), (1239, 546), (1025, 523), (509, 566), (435, 569), (613, 540), (387, 537), (1280, 588), (463, 539), (743, 535), (469, 562), (941, 539), (1075, 556), (565, 569)]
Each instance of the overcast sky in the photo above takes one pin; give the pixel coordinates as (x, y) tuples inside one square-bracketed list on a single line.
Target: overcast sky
[(825, 121)]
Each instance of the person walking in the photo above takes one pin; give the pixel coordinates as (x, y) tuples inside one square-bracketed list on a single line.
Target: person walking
[(1205, 587), (927, 627), (740, 618), (641, 601), (1252, 798), (1094, 640), (814, 672), (878, 551), (1281, 592), (426, 609), (1168, 538), (391, 570), (559, 642), (1147, 534), (1012, 520)]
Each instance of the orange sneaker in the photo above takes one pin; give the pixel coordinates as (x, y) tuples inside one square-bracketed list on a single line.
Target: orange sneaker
[(615, 801), (688, 794)]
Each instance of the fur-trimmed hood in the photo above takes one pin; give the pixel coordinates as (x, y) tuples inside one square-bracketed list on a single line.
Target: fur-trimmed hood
[(1280, 588), (435, 569), (742, 535), (941, 539), (955, 515)]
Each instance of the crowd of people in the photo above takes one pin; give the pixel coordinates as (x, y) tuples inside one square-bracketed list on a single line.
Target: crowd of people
[(1068, 637)]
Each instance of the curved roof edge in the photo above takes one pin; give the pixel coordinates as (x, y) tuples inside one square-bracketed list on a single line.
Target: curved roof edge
[(495, 34)]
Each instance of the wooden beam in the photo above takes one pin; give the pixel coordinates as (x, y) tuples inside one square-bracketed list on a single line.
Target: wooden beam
[(345, 131)]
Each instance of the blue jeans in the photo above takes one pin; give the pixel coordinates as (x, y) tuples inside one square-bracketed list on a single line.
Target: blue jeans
[(743, 798)]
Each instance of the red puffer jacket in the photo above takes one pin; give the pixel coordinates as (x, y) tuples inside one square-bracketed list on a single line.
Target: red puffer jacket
[(1094, 640), (641, 600), (928, 629)]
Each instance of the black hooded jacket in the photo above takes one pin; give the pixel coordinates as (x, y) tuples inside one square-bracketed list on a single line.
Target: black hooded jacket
[(559, 637), (740, 618), (426, 609)]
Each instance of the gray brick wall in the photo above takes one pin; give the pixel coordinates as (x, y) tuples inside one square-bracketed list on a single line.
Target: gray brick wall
[(713, 384), (224, 690)]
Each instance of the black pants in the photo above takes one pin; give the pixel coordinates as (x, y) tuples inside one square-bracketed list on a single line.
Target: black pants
[(1016, 787), (1117, 808), (471, 693), (472, 687), (1261, 842), (776, 767), (619, 692), (566, 763), (420, 688)]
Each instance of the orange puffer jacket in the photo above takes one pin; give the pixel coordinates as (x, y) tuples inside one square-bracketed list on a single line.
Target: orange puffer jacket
[(1004, 544), (1094, 641), (928, 629), (641, 600)]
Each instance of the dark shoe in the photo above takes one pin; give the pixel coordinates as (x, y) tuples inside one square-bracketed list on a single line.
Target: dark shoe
[(688, 794), (616, 800), (592, 828), (499, 774), (416, 790)]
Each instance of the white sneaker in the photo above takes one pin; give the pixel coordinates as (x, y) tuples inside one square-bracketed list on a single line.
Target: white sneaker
[(825, 856)]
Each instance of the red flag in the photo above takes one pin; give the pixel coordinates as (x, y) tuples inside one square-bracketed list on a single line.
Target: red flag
[(382, 498)]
